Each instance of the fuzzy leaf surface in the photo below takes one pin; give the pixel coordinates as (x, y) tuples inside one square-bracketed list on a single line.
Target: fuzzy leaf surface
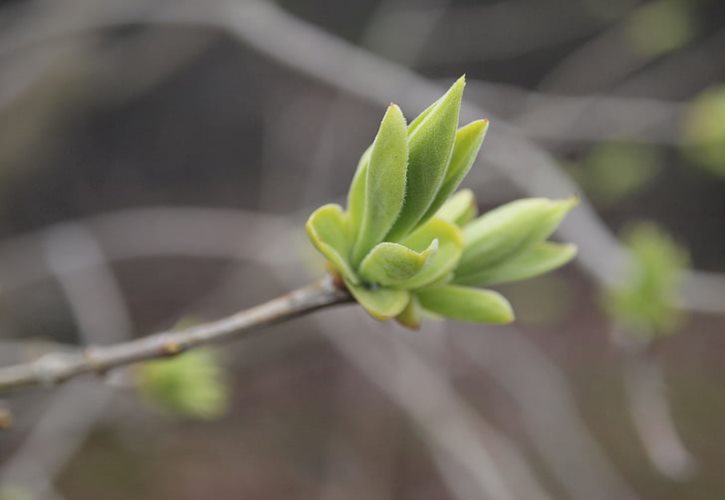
[(328, 231), (430, 147), (356, 196), (465, 149), (390, 264), (450, 249), (385, 183), (509, 230), (466, 304), (539, 259), (460, 208), (380, 303)]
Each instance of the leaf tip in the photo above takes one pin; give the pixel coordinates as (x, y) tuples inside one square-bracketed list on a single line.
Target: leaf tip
[(507, 315)]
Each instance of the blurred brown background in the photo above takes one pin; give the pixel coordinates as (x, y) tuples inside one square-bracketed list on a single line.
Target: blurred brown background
[(158, 160)]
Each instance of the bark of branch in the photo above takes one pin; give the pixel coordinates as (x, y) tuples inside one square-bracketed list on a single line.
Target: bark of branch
[(57, 367)]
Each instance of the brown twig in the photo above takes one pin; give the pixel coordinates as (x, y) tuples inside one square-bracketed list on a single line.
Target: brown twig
[(57, 367)]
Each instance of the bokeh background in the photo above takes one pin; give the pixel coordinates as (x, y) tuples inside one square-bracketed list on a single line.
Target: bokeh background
[(158, 160)]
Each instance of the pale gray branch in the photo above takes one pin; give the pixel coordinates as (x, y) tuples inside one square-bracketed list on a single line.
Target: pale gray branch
[(55, 368)]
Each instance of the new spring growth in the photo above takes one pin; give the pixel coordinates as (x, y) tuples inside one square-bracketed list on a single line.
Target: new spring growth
[(191, 384), (407, 245)]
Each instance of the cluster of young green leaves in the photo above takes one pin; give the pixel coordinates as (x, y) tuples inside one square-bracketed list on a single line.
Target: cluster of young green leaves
[(644, 303), (191, 384), (403, 247)]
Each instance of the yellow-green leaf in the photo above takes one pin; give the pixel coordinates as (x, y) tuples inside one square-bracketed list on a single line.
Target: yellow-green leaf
[(509, 230), (380, 303), (385, 183), (430, 146), (327, 229), (411, 315), (465, 149), (644, 302), (422, 116), (460, 208), (466, 304), (390, 264), (661, 26), (191, 384), (704, 130), (450, 248), (356, 196), (539, 259)]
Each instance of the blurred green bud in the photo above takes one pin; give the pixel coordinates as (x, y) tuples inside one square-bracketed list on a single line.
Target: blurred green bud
[(704, 133), (643, 303), (12, 492), (191, 384), (400, 244), (614, 171), (661, 26)]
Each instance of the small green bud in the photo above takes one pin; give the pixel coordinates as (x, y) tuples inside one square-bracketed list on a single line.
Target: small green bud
[(190, 384), (644, 303), (12, 492), (704, 134)]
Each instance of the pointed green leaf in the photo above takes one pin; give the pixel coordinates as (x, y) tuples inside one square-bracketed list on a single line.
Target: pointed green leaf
[(380, 303), (466, 304), (460, 208), (411, 315), (539, 259), (385, 184), (430, 147), (509, 230), (356, 196), (450, 248), (390, 264), (422, 116), (465, 149), (327, 230)]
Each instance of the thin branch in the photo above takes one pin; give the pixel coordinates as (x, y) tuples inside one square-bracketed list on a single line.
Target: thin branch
[(101, 315), (55, 368)]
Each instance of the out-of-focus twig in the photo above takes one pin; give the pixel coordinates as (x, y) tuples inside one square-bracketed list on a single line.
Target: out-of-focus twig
[(562, 119), (494, 31), (452, 429), (682, 73), (646, 393), (548, 412)]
